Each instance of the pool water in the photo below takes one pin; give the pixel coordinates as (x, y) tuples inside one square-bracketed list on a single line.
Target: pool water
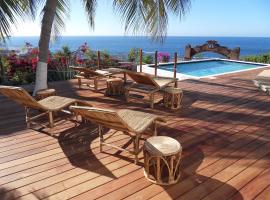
[(208, 68)]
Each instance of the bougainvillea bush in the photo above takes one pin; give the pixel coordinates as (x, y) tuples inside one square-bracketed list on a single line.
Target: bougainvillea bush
[(163, 57), (20, 68)]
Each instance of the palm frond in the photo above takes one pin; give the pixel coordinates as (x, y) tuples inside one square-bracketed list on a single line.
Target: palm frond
[(149, 16), (90, 9), (178, 7), (12, 10), (133, 14)]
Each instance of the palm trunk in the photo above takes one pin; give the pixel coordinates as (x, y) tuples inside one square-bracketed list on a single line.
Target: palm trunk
[(44, 41)]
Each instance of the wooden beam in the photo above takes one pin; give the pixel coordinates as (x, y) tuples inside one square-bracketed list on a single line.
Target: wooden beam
[(156, 63), (141, 56), (98, 60), (175, 68)]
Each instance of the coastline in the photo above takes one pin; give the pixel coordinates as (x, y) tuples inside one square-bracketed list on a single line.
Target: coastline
[(119, 45)]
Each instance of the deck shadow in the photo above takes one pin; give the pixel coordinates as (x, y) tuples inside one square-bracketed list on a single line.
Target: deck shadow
[(195, 186), (11, 194), (77, 144)]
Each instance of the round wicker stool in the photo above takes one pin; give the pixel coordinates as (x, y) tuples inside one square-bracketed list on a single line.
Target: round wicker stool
[(41, 94), (115, 86), (162, 160), (172, 98)]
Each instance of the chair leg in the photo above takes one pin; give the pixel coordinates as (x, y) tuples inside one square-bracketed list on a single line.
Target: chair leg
[(125, 77), (100, 132), (136, 148), (76, 115), (96, 84), (51, 122), (27, 118), (152, 100), (80, 82), (155, 129), (127, 95)]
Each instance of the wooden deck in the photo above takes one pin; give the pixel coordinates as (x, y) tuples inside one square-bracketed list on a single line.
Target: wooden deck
[(224, 129)]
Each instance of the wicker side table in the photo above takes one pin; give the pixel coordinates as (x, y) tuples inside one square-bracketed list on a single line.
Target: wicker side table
[(172, 98), (162, 160), (42, 94), (115, 86)]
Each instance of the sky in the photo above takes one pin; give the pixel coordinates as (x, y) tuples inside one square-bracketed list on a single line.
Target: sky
[(205, 18)]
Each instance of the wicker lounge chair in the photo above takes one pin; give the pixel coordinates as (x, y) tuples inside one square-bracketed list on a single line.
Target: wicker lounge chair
[(132, 123), (147, 84), (86, 73), (95, 75), (48, 105), (262, 80)]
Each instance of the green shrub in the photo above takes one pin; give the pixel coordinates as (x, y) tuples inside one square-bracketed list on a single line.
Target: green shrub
[(148, 59), (264, 58), (91, 55), (20, 77), (66, 51), (133, 55)]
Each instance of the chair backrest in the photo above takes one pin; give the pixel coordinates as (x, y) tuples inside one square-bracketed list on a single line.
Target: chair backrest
[(104, 117), (86, 71), (142, 78), (21, 96)]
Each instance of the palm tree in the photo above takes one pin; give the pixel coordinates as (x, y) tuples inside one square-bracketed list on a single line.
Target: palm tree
[(10, 12), (144, 16)]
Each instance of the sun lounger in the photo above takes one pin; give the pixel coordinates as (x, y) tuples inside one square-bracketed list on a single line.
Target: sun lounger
[(96, 75), (48, 105), (146, 84), (262, 80), (86, 73), (132, 123)]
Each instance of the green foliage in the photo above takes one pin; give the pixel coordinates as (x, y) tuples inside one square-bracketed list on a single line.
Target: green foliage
[(264, 58), (20, 77), (105, 54), (133, 55), (91, 55), (148, 59), (6, 64), (66, 51)]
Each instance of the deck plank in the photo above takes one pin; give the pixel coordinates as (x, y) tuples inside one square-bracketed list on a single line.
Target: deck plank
[(223, 128)]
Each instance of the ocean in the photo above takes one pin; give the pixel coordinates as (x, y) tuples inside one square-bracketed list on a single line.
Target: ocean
[(120, 45)]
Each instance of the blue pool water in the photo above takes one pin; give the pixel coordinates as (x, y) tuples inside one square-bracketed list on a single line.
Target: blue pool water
[(208, 68)]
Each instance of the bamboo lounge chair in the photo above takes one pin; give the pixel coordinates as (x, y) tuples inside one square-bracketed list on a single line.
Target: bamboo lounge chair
[(48, 105), (262, 80), (87, 73), (132, 123), (147, 84)]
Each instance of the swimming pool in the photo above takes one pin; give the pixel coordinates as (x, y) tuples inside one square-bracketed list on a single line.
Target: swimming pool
[(210, 67)]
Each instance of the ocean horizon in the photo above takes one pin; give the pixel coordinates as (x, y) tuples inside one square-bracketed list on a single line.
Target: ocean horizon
[(120, 45)]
